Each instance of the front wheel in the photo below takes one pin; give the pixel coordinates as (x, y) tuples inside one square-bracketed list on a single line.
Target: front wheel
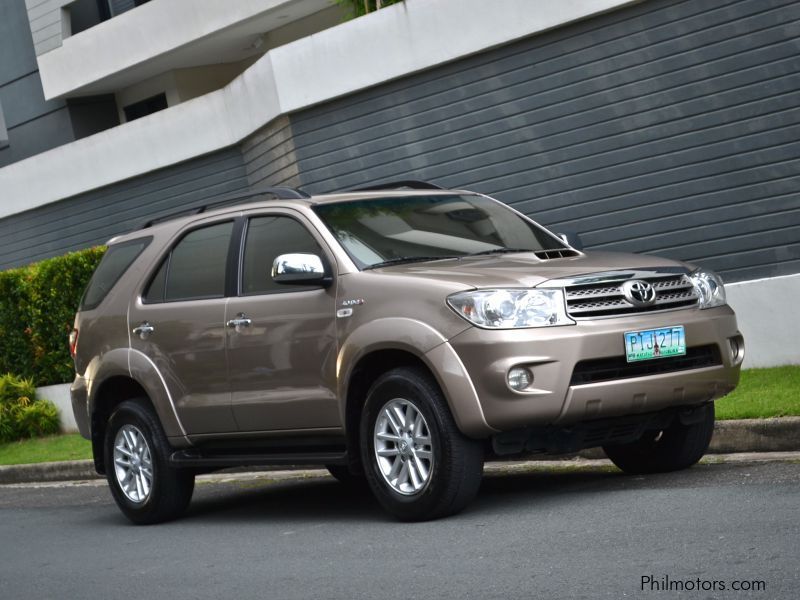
[(677, 447), (417, 463), (146, 489)]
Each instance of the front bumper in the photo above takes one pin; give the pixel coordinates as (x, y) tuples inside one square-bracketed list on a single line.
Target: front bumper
[(558, 397)]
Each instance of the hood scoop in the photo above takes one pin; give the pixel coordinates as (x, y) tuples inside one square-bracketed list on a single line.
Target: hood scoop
[(550, 254)]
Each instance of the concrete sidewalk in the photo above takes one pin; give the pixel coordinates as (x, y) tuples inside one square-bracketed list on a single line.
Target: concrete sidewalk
[(780, 435)]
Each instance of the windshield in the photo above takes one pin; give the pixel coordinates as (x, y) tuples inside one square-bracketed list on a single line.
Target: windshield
[(381, 231)]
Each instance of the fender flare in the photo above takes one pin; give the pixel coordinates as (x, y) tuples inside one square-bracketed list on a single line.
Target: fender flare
[(428, 345), (133, 364)]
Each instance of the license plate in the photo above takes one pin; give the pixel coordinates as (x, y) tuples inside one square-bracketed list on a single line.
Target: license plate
[(655, 343)]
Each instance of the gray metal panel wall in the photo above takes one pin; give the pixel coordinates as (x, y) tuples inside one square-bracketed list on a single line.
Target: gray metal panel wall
[(670, 128), (93, 218), (269, 155)]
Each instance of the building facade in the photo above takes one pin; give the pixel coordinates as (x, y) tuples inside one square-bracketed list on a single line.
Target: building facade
[(666, 127)]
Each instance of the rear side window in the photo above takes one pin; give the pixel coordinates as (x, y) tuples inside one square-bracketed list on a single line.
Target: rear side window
[(195, 269), (113, 265)]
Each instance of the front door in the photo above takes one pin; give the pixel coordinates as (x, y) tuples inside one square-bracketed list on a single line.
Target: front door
[(179, 324), (282, 352)]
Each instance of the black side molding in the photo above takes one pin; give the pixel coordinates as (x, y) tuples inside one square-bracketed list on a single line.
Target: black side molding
[(195, 459)]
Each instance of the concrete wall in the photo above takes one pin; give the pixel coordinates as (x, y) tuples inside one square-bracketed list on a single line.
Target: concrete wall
[(169, 33), (49, 23), (767, 314), (59, 395)]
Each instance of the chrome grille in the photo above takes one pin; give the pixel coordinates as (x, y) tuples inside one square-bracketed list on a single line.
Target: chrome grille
[(606, 299)]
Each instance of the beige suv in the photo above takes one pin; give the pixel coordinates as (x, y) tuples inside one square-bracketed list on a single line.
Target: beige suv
[(397, 335)]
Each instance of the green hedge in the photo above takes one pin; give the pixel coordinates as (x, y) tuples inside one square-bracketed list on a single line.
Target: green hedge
[(37, 309), (21, 414)]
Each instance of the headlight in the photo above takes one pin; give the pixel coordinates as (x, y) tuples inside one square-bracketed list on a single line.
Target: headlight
[(709, 288), (509, 309)]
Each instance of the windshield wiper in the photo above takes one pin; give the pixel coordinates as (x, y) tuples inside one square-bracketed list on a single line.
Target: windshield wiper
[(499, 251), (406, 259)]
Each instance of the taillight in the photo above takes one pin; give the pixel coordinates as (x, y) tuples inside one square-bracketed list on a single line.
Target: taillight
[(73, 342)]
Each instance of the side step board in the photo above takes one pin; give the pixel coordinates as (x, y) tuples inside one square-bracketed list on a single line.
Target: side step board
[(193, 458)]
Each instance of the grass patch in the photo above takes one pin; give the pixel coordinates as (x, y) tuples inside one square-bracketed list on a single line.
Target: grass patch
[(45, 449), (763, 393)]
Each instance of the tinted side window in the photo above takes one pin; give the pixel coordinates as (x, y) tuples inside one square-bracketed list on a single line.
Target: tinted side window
[(113, 265), (267, 238), (155, 291), (197, 264)]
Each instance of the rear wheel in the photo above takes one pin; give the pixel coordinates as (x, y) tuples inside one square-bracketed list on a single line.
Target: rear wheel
[(679, 446), (416, 461), (146, 489)]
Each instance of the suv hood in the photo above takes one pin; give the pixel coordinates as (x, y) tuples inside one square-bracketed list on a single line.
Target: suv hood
[(525, 269)]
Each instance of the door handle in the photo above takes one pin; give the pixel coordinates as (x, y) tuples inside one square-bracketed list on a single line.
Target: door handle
[(144, 330), (241, 320)]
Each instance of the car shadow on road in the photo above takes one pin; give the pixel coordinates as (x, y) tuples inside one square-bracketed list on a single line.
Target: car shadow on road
[(318, 498), (324, 499)]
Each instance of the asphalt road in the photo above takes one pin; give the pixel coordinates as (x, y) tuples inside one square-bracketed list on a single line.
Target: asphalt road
[(543, 533)]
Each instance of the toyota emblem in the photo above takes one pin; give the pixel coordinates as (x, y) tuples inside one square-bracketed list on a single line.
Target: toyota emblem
[(639, 293)]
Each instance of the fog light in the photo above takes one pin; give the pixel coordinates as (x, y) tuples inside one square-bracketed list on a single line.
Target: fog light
[(737, 349), (519, 378)]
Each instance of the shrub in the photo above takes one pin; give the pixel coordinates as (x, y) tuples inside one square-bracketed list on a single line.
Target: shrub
[(37, 309), (55, 288), (22, 415), (15, 343)]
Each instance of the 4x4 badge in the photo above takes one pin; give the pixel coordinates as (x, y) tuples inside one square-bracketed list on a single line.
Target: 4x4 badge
[(353, 302), (639, 293)]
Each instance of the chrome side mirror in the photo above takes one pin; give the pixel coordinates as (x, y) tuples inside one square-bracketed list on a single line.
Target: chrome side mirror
[(300, 269)]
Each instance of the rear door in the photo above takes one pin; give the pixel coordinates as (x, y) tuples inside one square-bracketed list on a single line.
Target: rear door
[(282, 364), (179, 324)]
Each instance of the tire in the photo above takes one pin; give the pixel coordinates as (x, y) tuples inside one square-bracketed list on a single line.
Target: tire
[(677, 447), (133, 425), (451, 463), (344, 475)]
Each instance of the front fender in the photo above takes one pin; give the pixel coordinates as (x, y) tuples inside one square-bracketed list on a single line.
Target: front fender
[(428, 345)]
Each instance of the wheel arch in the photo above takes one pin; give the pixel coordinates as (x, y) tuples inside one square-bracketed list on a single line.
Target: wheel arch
[(110, 393), (361, 376), (122, 377)]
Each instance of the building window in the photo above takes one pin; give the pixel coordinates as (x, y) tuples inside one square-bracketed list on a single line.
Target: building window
[(145, 107), (117, 7)]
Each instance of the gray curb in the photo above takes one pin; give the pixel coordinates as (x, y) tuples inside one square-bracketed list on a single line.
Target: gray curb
[(756, 435), (746, 435)]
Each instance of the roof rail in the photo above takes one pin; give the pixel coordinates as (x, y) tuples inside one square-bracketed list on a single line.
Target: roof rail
[(280, 192), (413, 184)]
